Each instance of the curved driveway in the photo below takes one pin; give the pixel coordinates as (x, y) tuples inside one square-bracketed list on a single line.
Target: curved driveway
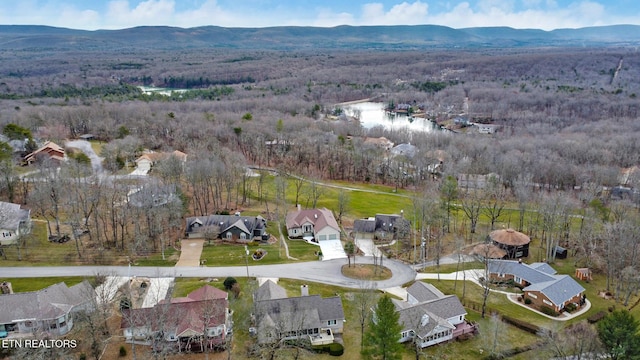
[(326, 272)]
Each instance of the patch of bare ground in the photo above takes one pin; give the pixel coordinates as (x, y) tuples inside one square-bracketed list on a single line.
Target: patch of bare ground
[(366, 272)]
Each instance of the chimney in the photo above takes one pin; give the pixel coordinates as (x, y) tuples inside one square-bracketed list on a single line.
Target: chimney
[(304, 290)]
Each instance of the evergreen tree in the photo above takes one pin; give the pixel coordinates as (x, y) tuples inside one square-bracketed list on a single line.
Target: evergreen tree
[(619, 335), (383, 333)]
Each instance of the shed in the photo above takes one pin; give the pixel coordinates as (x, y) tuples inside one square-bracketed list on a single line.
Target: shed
[(561, 253), (583, 274)]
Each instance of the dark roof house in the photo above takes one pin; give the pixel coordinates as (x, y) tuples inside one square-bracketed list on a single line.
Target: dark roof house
[(229, 227)]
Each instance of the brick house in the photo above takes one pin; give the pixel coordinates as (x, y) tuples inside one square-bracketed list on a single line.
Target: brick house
[(540, 283)]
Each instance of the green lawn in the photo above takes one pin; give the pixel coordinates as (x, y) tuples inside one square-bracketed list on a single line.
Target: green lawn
[(34, 284), (171, 257), (38, 251)]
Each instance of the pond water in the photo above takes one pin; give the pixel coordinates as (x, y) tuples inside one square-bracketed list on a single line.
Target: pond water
[(372, 114), (158, 90)]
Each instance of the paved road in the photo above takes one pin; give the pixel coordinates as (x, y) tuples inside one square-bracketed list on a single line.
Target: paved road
[(326, 272)]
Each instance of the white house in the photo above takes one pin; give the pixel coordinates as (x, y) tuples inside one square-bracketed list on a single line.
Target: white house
[(14, 222)]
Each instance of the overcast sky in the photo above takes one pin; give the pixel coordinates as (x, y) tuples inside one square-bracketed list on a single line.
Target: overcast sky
[(117, 14)]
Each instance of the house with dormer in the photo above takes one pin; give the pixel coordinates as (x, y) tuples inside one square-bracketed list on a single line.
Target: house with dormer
[(228, 227), (430, 317), (50, 311), (280, 318), (314, 225)]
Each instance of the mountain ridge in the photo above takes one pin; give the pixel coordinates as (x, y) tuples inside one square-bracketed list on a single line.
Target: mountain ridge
[(298, 37)]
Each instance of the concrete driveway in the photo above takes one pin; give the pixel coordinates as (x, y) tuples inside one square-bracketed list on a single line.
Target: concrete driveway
[(190, 252)]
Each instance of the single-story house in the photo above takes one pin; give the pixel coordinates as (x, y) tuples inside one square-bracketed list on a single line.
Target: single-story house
[(540, 283), (49, 150), (148, 159), (514, 243), (14, 222), (280, 318), (431, 316), (228, 227), (200, 320), (313, 224), (50, 310)]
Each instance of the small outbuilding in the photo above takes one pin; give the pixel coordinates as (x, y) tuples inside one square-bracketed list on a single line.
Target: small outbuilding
[(515, 243), (561, 253)]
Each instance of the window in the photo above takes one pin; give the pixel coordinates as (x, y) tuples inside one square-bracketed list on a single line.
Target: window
[(331, 322), (333, 236), (322, 237), (243, 236), (518, 280), (547, 302), (534, 296), (229, 235)]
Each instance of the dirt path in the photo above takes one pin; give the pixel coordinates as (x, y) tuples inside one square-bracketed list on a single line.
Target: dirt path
[(190, 251)]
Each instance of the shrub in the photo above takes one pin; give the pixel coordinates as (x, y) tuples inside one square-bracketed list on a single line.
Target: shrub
[(336, 349), (82, 356), (571, 307), (596, 317), (522, 325), (122, 352), (527, 301), (229, 282), (548, 311)]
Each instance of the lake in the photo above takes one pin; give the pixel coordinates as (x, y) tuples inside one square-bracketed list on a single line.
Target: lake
[(372, 114)]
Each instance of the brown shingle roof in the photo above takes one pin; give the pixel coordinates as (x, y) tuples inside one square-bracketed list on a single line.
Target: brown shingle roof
[(509, 237)]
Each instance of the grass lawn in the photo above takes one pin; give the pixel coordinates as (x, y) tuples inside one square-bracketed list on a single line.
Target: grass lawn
[(171, 257), (234, 254), (38, 251), (33, 284)]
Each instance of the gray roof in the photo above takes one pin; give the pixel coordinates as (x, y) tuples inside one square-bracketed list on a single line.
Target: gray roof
[(11, 215), (269, 291), (48, 303), (224, 222), (411, 319), (153, 195), (437, 311), (544, 267), (422, 291), (446, 307), (407, 150), (559, 290), (521, 270), (364, 225), (304, 312)]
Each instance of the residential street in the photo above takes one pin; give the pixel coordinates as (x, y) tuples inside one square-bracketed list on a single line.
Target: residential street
[(327, 272)]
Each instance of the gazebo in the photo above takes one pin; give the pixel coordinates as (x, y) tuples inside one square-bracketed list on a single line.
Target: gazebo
[(515, 243)]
